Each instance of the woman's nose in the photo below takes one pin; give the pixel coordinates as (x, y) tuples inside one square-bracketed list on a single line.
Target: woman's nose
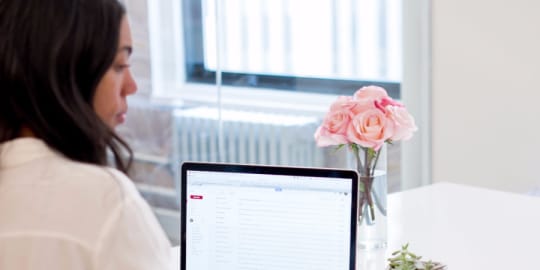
[(130, 86)]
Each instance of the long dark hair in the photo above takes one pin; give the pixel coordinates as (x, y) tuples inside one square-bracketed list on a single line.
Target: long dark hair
[(52, 56)]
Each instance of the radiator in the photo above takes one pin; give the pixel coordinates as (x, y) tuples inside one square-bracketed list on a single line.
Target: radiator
[(246, 137)]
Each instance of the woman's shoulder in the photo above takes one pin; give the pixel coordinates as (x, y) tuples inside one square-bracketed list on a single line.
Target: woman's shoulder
[(29, 161), (98, 194), (78, 199), (104, 182)]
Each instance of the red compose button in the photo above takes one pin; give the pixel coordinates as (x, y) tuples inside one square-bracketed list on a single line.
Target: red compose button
[(196, 197)]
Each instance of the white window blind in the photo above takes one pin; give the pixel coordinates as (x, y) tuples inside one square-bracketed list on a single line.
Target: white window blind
[(340, 39)]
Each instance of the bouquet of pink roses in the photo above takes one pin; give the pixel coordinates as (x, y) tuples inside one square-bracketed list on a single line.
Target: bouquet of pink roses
[(365, 122)]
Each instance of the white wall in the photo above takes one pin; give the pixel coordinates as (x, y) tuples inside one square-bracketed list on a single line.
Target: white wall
[(486, 93)]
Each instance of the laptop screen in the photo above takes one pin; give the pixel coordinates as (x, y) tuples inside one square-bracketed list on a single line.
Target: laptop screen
[(258, 217)]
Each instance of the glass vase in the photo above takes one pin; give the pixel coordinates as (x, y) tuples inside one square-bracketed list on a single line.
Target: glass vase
[(372, 192)]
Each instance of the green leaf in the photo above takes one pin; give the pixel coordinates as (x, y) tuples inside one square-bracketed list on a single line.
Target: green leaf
[(405, 260), (372, 153), (340, 146)]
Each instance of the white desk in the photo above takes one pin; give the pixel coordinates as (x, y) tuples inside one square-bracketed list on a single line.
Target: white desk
[(463, 227)]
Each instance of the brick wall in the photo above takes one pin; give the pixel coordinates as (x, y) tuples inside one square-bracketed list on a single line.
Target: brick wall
[(138, 17)]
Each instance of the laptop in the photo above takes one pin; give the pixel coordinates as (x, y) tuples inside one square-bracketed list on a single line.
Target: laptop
[(267, 217)]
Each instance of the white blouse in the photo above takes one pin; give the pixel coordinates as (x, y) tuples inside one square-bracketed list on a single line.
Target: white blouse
[(56, 213)]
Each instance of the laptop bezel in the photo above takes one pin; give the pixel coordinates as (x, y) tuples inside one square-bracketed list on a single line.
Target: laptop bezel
[(267, 169)]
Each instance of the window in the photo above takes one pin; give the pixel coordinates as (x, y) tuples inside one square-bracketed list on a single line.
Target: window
[(306, 47), (322, 46)]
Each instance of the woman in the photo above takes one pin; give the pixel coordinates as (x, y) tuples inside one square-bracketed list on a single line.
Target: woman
[(64, 79)]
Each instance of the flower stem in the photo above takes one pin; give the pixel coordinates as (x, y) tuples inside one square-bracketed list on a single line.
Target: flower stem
[(368, 162), (368, 187), (366, 170), (375, 162), (359, 166)]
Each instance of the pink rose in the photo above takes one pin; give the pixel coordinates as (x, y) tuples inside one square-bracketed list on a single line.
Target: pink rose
[(333, 130), (370, 128), (351, 105), (370, 118), (376, 95), (342, 102), (385, 102), (371, 93), (403, 122)]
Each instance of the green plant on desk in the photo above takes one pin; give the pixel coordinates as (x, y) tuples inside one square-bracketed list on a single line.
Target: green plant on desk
[(405, 260)]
